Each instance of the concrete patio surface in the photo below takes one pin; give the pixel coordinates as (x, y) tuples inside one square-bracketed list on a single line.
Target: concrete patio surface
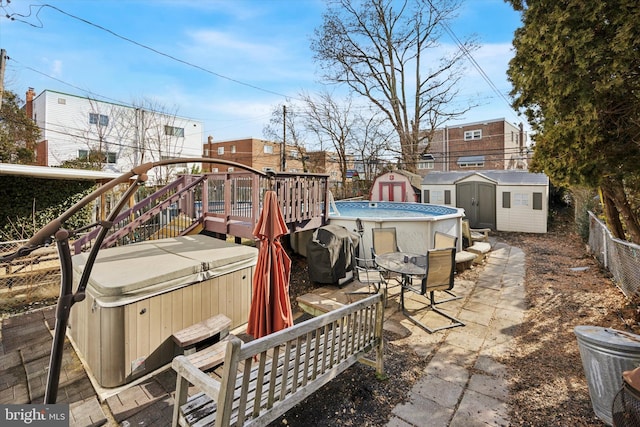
[(463, 383)]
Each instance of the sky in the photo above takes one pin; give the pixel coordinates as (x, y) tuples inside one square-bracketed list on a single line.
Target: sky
[(227, 63)]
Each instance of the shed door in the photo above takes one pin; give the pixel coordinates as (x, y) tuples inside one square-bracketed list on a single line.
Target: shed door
[(478, 199), (393, 191)]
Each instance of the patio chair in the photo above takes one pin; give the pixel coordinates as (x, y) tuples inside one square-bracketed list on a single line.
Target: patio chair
[(443, 241), (439, 267), (384, 241), (367, 273), (474, 234)]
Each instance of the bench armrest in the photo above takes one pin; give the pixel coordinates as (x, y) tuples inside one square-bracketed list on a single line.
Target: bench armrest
[(195, 376)]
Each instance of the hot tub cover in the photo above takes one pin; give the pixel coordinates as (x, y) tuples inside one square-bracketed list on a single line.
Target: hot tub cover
[(160, 265)]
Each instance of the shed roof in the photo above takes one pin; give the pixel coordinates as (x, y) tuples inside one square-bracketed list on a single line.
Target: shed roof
[(414, 178), (501, 177)]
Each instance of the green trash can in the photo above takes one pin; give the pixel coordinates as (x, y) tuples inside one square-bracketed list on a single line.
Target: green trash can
[(605, 354)]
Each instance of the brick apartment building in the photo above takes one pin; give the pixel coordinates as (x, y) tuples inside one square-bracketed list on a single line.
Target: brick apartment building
[(268, 155), (255, 153), (487, 145)]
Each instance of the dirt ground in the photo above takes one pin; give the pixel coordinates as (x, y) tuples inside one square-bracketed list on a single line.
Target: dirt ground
[(548, 386)]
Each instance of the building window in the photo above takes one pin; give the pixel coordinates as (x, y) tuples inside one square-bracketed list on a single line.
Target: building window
[(506, 199), (173, 131), (520, 199), (83, 154), (233, 149), (268, 149), (426, 165), (267, 169), (470, 135), (111, 157), (62, 101), (293, 154), (214, 170), (220, 151), (230, 169), (94, 119), (437, 197), (537, 201), (471, 161)]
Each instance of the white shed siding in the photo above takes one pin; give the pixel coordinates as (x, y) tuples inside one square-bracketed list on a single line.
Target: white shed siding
[(64, 123), (521, 218), (437, 192)]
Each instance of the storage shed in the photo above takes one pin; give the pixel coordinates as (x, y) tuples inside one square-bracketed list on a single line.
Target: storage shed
[(503, 200), (396, 186)]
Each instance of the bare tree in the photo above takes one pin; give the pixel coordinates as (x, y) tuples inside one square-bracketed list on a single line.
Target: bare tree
[(383, 53), (98, 132), (155, 136), (285, 127), (371, 141), (333, 122)]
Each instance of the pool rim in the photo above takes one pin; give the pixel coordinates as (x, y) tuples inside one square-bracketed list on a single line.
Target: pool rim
[(456, 212)]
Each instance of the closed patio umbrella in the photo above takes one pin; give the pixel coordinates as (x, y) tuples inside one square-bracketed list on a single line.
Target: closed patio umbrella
[(270, 305)]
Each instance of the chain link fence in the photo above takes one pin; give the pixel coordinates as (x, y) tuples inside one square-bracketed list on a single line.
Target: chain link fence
[(40, 268), (620, 257)]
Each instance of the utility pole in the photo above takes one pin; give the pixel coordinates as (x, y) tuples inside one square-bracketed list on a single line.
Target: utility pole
[(3, 59), (283, 150)]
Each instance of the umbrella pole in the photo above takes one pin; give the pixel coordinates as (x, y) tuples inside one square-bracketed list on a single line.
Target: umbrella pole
[(63, 309)]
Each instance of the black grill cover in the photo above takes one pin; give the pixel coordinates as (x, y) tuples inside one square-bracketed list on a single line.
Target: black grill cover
[(330, 254)]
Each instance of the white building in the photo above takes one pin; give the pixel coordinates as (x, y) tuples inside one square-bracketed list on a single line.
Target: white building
[(73, 127)]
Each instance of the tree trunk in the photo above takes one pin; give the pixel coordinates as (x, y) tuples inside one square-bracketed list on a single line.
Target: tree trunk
[(611, 213), (614, 192)]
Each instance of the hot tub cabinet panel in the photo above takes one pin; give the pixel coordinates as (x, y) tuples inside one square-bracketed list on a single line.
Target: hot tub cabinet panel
[(125, 333)]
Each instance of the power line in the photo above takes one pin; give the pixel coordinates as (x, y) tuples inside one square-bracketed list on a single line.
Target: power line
[(144, 46), (475, 64)]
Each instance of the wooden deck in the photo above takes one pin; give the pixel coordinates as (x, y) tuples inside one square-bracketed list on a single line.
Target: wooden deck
[(222, 204)]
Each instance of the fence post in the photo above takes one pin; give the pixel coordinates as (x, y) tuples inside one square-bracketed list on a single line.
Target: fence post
[(605, 251)]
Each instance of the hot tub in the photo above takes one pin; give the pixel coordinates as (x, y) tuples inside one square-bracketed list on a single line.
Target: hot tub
[(415, 223), (140, 294)]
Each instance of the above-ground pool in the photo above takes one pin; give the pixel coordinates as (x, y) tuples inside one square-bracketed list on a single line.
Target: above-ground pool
[(415, 223)]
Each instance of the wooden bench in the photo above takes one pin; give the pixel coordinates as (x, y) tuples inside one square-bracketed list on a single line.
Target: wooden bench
[(264, 378), (192, 336)]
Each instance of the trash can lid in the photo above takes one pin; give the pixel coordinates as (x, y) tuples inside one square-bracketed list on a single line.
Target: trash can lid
[(612, 338)]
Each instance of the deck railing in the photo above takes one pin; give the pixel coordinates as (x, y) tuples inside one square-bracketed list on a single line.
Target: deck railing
[(226, 204)]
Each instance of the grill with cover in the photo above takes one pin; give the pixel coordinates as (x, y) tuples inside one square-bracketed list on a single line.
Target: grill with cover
[(330, 253)]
